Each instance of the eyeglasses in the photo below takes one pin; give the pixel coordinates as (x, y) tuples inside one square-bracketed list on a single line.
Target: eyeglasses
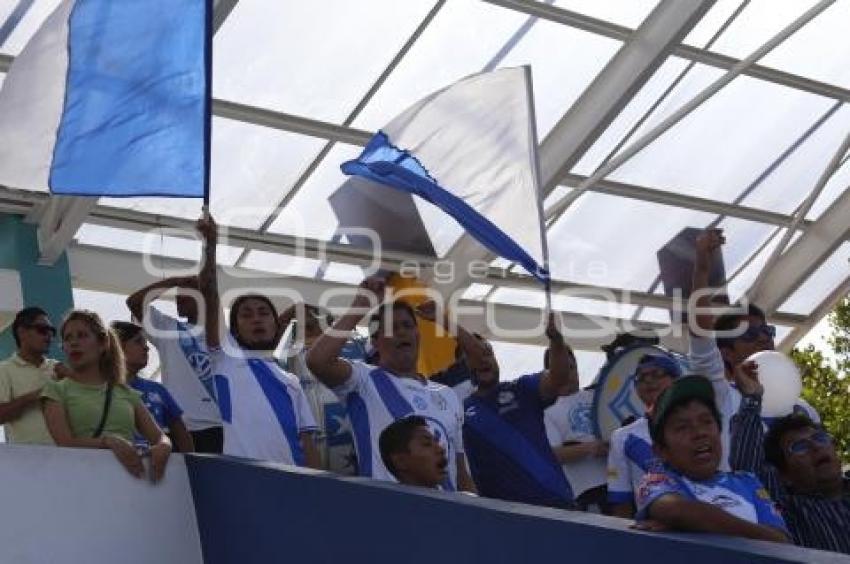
[(42, 329), (753, 332), (804, 445), (650, 376)]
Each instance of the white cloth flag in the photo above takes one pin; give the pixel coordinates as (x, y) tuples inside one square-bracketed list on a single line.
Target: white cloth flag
[(471, 150)]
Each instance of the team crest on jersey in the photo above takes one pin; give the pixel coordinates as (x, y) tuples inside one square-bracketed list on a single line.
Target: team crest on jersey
[(200, 363), (581, 420), (439, 400), (420, 403)]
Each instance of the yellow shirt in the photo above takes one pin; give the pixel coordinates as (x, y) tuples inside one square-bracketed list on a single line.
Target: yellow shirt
[(17, 378)]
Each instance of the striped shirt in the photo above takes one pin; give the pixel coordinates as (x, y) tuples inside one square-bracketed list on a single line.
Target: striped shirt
[(814, 521)]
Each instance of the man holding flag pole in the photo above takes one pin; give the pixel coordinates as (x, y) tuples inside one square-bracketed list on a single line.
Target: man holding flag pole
[(471, 150)]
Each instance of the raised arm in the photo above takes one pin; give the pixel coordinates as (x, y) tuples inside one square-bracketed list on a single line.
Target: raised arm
[(208, 279), (136, 301), (323, 358), (708, 244), (747, 442), (562, 365)]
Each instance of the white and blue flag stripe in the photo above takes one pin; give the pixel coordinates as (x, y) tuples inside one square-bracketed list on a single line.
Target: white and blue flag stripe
[(111, 98), (471, 150)]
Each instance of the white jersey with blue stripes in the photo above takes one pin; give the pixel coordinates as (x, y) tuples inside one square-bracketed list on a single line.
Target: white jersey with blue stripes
[(375, 398), (263, 408), (630, 456)]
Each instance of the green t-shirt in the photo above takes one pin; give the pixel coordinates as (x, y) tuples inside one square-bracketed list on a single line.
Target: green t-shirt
[(83, 405)]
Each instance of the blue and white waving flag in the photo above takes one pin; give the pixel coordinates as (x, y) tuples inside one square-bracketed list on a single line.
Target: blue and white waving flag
[(111, 97), (471, 150)]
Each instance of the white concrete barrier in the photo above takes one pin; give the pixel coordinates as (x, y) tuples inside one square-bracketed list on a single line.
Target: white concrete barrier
[(81, 506)]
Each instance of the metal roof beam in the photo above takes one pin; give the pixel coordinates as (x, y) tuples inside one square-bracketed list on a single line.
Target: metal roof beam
[(699, 55), (804, 256), (127, 274), (614, 87)]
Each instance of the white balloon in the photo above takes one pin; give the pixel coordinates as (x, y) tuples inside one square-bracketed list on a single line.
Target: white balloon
[(781, 380)]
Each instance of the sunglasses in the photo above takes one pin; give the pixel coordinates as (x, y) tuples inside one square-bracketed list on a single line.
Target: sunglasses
[(803, 446), (42, 329), (753, 332)]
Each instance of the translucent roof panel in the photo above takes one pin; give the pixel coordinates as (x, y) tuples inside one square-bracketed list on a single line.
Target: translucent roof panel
[(785, 188), (724, 145), (628, 13), (711, 22), (837, 185), (834, 271), (315, 58), (448, 51), (601, 241), (820, 50), (816, 51), (642, 102), (29, 19), (252, 169), (309, 214), (757, 24)]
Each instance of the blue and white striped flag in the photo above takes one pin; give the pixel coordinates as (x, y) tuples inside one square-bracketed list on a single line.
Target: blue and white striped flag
[(471, 150), (111, 97)]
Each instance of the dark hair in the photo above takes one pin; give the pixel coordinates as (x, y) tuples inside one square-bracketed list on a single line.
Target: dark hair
[(396, 437), (234, 312), (376, 321), (26, 316), (125, 330), (773, 451), (656, 429), (731, 321)]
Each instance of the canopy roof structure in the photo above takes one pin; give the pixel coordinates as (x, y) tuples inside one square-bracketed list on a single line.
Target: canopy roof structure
[(652, 115)]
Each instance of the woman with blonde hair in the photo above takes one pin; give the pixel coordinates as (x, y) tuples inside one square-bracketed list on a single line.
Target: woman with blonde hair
[(93, 407)]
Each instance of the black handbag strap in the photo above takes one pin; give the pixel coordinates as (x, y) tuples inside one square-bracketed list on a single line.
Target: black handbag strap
[(107, 402)]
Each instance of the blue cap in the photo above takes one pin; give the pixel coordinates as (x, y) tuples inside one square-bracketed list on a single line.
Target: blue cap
[(660, 361)]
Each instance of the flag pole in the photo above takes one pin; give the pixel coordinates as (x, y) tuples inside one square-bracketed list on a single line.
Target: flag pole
[(535, 165), (208, 48)]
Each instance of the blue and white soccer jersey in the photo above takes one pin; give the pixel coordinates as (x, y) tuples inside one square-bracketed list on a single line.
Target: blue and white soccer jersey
[(738, 493), (185, 364), (375, 398), (263, 408), (630, 456)]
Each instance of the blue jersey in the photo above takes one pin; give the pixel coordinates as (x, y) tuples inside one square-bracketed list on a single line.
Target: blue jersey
[(507, 448), (159, 402), (738, 493)]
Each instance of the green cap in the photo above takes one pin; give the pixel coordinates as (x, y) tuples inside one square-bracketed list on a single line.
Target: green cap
[(679, 392)]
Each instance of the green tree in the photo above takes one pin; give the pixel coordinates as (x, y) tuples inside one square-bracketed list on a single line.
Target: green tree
[(825, 381)]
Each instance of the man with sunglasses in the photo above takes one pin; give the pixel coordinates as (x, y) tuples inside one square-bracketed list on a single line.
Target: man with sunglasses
[(23, 375), (797, 462), (718, 346)]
